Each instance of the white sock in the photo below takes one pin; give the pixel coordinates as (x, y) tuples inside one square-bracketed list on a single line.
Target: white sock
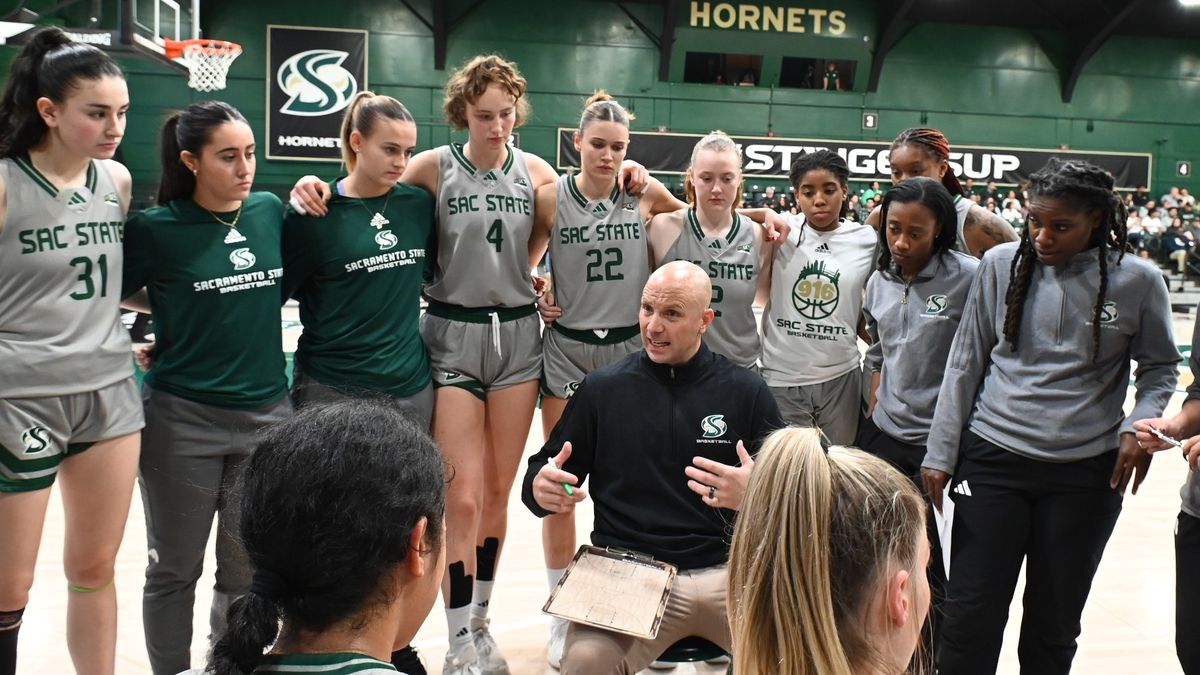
[(458, 626), (554, 575), (481, 595)]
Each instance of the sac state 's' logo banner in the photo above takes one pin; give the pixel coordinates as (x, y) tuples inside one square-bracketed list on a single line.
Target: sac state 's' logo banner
[(312, 74)]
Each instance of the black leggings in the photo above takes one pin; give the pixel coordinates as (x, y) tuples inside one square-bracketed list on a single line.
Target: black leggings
[(1187, 593), (1008, 508)]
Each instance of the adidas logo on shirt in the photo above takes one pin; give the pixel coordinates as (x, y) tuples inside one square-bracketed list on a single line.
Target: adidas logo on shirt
[(962, 489), (234, 237), (77, 202), (716, 243), (824, 248), (378, 221), (599, 209)]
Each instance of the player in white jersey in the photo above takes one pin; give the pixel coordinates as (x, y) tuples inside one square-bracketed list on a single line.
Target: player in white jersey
[(926, 152), (725, 244), (810, 327), (597, 236), (68, 403)]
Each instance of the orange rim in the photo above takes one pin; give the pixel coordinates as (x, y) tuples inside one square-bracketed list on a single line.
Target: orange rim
[(173, 49)]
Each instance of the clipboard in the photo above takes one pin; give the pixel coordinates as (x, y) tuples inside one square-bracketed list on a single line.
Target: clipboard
[(613, 589)]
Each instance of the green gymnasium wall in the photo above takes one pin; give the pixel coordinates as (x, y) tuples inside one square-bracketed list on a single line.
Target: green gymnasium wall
[(980, 85)]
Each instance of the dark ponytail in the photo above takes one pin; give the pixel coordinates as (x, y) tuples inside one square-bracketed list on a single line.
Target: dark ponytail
[(48, 66), (190, 129), (329, 500)]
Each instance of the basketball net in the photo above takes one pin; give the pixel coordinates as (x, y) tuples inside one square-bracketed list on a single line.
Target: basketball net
[(207, 61)]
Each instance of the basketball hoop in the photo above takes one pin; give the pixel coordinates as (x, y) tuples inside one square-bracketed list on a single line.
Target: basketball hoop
[(207, 61)]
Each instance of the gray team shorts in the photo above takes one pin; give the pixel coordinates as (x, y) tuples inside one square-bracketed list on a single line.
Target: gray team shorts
[(568, 355), (37, 434), (482, 350), (834, 406)]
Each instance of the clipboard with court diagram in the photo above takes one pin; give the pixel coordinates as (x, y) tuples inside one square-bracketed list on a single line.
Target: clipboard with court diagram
[(616, 590)]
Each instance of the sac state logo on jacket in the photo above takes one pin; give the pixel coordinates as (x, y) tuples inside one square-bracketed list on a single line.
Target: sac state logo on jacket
[(712, 429)]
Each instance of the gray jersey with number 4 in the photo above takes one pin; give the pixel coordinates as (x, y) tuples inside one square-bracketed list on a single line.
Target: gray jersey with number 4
[(484, 219), (60, 285), (598, 250)]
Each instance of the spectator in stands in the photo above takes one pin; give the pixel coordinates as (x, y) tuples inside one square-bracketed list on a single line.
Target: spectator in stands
[(969, 189), (1171, 199), (1186, 198), (1178, 245), (872, 192), (991, 205), (782, 203), (992, 191), (1187, 214), (1140, 196), (1012, 197), (856, 207), (767, 198), (833, 79), (1012, 213)]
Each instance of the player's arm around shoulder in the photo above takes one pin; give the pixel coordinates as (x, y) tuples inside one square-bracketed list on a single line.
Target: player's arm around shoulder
[(545, 210), (540, 171), (662, 231), (423, 170)]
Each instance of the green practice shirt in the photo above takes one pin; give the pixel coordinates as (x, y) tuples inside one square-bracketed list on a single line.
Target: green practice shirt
[(357, 273), (215, 295)]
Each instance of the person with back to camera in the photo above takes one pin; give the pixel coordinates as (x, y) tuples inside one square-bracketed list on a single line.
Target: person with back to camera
[(69, 408), (1030, 419), (827, 565), (661, 433), (342, 510)]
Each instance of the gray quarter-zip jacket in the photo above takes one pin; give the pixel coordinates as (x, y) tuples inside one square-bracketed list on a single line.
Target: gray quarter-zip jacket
[(912, 325), (1048, 400)]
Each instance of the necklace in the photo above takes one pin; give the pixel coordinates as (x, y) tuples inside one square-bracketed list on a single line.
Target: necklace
[(234, 236), (236, 216), (378, 220)]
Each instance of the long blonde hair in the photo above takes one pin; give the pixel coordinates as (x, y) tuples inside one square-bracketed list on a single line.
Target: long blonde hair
[(816, 536), (364, 110)]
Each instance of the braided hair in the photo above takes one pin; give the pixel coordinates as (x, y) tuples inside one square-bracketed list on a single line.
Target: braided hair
[(1088, 188), (934, 143), (821, 160)]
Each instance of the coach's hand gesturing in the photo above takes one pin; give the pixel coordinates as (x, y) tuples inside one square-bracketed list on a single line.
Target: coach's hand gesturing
[(553, 488)]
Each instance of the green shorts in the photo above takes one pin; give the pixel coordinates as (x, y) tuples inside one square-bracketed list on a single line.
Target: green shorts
[(37, 434)]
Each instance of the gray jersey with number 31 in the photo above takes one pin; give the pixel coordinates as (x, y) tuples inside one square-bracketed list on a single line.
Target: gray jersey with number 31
[(60, 285)]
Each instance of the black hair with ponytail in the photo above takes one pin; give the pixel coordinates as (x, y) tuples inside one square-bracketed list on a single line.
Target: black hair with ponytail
[(189, 129), (1088, 188), (48, 66), (328, 503)]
